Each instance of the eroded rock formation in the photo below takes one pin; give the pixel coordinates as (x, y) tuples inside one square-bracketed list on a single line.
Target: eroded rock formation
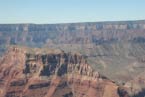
[(55, 74)]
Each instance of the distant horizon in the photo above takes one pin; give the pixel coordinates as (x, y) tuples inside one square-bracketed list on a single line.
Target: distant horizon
[(72, 11), (82, 22)]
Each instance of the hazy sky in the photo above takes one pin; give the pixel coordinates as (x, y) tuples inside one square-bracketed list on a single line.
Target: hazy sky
[(63, 11)]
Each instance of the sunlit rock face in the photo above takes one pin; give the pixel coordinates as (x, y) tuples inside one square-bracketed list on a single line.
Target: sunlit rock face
[(53, 74)]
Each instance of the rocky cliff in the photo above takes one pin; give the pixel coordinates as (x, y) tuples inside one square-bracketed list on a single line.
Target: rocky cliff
[(74, 33), (35, 73)]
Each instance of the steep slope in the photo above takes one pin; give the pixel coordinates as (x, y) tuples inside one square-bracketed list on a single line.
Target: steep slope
[(136, 86), (26, 73)]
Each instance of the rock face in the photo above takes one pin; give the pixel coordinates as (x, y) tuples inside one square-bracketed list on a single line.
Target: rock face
[(75, 33), (55, 74)]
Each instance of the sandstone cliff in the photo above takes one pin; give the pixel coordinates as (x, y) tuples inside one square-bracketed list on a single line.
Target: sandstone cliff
[(26, 73)]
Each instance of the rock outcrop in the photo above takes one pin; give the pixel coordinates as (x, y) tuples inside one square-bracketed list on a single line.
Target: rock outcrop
[(25, 73)]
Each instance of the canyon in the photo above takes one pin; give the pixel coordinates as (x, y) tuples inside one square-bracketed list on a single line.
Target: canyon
[(115, 50)]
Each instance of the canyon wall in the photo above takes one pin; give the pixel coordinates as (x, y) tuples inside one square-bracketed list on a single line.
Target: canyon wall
[(75, 33)]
